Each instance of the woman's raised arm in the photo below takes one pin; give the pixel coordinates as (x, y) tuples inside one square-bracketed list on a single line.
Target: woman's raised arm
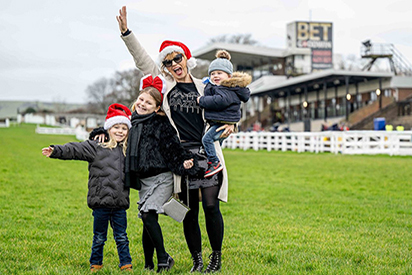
[(142, 60)]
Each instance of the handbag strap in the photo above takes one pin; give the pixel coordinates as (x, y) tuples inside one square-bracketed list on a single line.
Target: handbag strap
[(187, 190)]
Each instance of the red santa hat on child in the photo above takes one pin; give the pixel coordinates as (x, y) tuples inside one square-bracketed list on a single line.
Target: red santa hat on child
[(168, 47), (116, 114)]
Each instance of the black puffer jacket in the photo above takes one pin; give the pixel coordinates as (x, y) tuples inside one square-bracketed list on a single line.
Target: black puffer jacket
[(106, 172)]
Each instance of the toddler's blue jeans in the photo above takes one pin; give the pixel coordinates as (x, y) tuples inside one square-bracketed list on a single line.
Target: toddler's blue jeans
[(208, 139)]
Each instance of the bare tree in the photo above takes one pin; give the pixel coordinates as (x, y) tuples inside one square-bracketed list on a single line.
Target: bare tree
[(99, 94), (350, 63), (201, 68), (245, 39), (126, 86)]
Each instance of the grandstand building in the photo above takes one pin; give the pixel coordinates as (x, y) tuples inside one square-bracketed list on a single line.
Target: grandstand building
[(299, 88)]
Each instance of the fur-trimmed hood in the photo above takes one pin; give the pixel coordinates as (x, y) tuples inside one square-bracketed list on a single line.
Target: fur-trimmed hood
[(238, 79)]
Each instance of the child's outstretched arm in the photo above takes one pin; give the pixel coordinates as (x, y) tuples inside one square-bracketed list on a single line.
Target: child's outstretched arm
[(85, 150), (46, 151)]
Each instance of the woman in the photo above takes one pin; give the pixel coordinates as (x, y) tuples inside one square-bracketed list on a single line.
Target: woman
[(185, 115)]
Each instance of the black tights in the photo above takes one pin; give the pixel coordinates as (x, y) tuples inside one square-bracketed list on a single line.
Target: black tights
[(152, 238), (214, 219)]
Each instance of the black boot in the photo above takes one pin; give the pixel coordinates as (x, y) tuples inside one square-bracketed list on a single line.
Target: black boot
[(197, 262), (215, 263), (165, 266), (149, 266)]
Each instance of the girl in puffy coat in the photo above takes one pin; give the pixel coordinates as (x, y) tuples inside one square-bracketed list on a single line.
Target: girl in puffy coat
[(107, 196)]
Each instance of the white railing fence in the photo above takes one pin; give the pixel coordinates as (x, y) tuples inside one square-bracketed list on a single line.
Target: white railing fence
[(5, 123), (79, 132), (347, 142)]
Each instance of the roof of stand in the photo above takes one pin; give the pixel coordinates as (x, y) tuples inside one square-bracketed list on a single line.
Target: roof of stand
[(245, 55), (278, 87)]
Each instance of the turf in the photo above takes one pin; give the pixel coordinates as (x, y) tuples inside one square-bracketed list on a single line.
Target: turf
[(288, 213)]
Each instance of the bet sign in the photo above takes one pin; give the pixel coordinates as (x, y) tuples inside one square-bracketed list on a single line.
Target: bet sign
[(314, 35)]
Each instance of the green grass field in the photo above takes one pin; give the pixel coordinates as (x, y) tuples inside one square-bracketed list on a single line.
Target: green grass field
[(288, 213)]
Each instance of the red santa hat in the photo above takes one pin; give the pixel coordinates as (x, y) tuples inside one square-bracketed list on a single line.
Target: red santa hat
[(117, 114), (169, 47)]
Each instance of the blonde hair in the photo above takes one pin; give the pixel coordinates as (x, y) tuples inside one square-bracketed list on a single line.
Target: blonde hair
[(153, 92), (112, 143)]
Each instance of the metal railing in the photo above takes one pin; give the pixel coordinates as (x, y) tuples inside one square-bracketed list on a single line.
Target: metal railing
[(377, 50)]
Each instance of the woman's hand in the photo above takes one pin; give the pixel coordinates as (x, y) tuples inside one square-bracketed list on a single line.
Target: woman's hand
[(100, 138), (47, 151), (122, 19), (228, 129), (187, 164)]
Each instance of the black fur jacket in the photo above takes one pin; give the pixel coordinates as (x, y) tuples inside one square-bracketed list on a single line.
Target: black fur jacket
[(159, 150)]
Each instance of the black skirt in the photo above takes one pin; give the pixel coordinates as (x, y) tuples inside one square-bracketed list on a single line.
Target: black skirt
[(196, 182)]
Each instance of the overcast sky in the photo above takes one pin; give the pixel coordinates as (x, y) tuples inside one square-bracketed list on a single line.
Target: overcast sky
[(51, 50)]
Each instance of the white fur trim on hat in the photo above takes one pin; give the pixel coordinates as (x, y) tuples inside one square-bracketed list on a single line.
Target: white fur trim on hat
[(117, 120), (191, 62)]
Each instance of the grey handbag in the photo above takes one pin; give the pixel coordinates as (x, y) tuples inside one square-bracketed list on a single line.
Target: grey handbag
[(176, 209)]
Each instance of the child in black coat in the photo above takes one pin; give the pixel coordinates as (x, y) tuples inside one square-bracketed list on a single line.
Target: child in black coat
[(107, 195)]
